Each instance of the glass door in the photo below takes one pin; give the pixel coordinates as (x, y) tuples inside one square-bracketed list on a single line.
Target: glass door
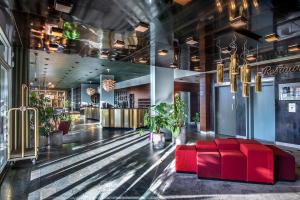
[(3, 115)]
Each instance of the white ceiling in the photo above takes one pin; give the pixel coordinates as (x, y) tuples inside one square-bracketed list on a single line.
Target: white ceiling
[(64, 71)]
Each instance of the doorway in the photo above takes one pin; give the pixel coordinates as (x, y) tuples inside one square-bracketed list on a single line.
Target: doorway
[(264, 113), (225, 111)]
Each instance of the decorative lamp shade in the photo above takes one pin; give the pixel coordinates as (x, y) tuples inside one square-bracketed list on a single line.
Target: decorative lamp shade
[(220, 73), (234, 65), (257, 86), (108, 84), (91, 91), (233, 83), (246, 90)]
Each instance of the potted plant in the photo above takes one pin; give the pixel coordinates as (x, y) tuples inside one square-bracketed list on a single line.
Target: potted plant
[(156, 119), (47, 119), (196, 119), (64, 123), (176, 121)]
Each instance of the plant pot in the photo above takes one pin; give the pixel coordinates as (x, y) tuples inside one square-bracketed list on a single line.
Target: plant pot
[(198, 126), (158, 140), (56, 138), (43, 141), (64, 126), (181, 139)]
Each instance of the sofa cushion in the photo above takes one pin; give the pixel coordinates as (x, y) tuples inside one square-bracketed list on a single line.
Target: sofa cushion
[(284, 164), (233, 165), (246, 141), (209, 164), (227, 144), (186, 158), (206, 146), (260, 163)]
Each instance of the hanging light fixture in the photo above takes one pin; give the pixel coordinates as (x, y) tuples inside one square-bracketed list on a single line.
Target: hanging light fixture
[(258, 86), (232, 4), (220, 73), (191, 41), (245, 90), (273, 37), (255, 3), (162, 52), (219, 6), (108, 85), (246, 74), (233, 84), (234, 65), (294, 48), (90, 91), (142, 27)]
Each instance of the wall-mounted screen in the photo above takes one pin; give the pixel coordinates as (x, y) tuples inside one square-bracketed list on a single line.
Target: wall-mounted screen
[(289, 92)]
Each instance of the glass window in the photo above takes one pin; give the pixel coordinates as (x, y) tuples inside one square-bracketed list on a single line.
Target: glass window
[(3, 114)]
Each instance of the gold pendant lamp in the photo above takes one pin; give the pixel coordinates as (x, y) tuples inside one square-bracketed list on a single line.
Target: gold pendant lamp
[(233, 83), (258, 86), (245, 90), (246, 74), (220, 73), (234, 64)]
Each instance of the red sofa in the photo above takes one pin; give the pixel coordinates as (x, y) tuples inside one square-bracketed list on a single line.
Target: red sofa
[(237, 160)]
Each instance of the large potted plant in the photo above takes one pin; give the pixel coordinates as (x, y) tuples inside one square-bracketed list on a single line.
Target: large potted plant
[(64, 122), (156, 119), (47, 120), (196, 119), (176, 121)]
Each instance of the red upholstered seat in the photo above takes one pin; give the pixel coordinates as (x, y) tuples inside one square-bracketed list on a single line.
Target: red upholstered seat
[(227, 144), (234, 165), (284, 164), (260, 163), (246, 141), (206, 146), (209, 164), (186, 158)]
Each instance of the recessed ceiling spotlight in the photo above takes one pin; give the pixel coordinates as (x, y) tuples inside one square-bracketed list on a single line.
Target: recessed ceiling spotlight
[(119, 44), (142, 27), (191, 41), (63, 6), (225, 50), (143, 60), (250, 57), (273, 37), (173, 65), (294, 48), (238, 22), (103, 55), (162, 52)]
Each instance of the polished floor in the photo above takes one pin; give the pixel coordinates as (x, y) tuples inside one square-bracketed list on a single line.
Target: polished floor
[(118, 164)]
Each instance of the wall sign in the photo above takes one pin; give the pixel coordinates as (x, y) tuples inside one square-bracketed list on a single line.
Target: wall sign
[(280, 69), (292, 107), (289, 91)]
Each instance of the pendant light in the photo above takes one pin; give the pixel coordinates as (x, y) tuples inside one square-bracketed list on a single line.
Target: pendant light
[(233, 84), (245, 89), (220, 66), (258, 86), (90, 91)]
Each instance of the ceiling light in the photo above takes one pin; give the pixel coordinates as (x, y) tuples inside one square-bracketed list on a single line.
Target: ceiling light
[(245, 4), (103, 55), (219, 6), (232, 4), (225, 50), (143, 60), (108, 84), (183, 2), (294, 48), (255, 3), (238, 22), (250, 57), (142, 27), (162, 52), (173, 65), (119, 44), (273, 37), (56, 32), (195, 59), (49, 83), (63, 6), (191, 41)]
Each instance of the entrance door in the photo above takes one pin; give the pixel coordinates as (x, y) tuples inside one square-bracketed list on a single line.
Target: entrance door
[(225, 111), (264, 114)]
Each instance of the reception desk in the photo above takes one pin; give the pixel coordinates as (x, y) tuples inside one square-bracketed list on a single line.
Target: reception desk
[(117, 117)]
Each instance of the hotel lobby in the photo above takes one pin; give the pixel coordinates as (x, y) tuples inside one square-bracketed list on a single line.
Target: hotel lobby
[(150, 99)]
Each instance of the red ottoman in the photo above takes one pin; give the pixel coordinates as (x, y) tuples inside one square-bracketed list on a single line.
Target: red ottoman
[(186, 158), (206, 146), (234, 165), (227, 144), (246, 141), (208, 164), (260, 163), (284, 164)]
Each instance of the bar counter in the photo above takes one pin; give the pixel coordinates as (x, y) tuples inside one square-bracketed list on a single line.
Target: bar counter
[(117, 117)]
